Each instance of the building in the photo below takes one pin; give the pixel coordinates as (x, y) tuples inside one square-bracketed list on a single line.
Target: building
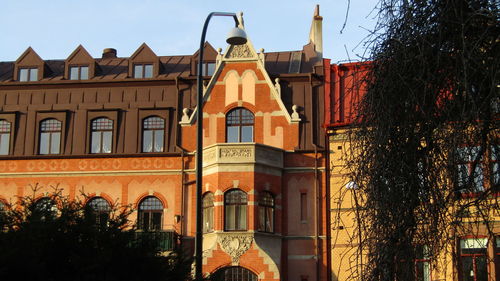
[(121, 129), (477, 252)]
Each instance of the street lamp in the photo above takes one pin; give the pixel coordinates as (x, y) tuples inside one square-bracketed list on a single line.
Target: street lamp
[(236, 36)]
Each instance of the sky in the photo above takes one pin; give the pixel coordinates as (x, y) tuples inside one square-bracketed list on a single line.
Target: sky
[(54, 28)]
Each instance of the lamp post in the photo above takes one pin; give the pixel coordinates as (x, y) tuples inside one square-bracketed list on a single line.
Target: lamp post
[(236, 36)]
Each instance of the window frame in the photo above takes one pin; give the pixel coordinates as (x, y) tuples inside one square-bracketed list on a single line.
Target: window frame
[(45, 115), (237, 211), (29, 73), (79, 71), (101, 214), (240, 124), (101, 132), (266, 213), (150, 212), (9, 133), (474, 257), (235, 273), (112, 115), (208, 212), (485, 165), (143, 70), (51, 133), (154, 131)]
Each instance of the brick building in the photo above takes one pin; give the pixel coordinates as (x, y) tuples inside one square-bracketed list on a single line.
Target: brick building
[(121, 129)]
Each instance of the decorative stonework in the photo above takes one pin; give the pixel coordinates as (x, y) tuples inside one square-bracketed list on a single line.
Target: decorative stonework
[(236, 152), (235, 245), (239, 51)]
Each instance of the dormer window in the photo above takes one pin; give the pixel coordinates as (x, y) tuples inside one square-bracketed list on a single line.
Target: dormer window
[(28, 74), (143, 70), (208, 68), (79, 72)]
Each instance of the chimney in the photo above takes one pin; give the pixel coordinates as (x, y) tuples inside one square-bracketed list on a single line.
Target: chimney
[(316, 33), (109, 53)]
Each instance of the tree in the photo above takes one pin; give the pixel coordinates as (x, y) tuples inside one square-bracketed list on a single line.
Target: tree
[(425, 144), (55, 238)]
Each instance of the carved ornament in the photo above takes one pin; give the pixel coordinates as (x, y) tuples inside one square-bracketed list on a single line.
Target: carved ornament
[(235, 245)]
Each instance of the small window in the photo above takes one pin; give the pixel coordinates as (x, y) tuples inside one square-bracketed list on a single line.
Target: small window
[(234, 273), (102, 136), (470, 169), (303, 207), (266, 212), (28, 74), (50, 136), (239, 125), (153, 134), (4, 137), (143, 70), (100, 208), (208, 212), (473, 259), (150, 215), (79, 72), (235, 210), (208, 69)]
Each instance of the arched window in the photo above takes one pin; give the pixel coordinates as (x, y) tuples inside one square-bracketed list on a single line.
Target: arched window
[(239, 125), (102, 135), (44, 208), (4, 137), (153, 132), (234, 273), (50, 136), (101, 209), (266, 212), (208, 212), (235, 210), (150, 214)]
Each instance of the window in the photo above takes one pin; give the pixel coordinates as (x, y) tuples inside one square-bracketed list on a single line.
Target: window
[(303, 207), (235, 210), (100, 208), (153, 134), (422, 264), (266, 212), (102, 136), (79, 72), (4, 137), (208, 212), (143, 70), (44, 208), (28, 74), (50, 136), (497, 257), (473, 259), (208, 68), (234, 273), (239, 125), (495, 165), (150, 214), (470, 169)]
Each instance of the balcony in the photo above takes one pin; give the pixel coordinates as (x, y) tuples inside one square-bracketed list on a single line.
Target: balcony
[(163, 240)]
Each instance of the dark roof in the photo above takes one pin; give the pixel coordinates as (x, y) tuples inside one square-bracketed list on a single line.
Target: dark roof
[(276, 63)]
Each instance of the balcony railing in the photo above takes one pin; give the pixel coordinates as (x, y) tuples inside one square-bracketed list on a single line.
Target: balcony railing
[(163, 240)]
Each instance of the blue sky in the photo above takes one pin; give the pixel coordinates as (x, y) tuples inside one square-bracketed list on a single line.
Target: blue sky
[(54, 28)]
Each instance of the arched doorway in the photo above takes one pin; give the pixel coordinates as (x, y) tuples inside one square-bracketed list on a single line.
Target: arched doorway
[(234, 273)]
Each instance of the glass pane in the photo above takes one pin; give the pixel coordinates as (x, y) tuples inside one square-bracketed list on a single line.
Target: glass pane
[(44, 143), (84, 72), (148, 71), (242, 217), (496, 173), (107, 138), (33, 74), (247, 134), (478, 178), (147, 141), (23, 74), (467, 269), (158, 140), (73, 73), (95, 145), (55, 143), (232, 134), (138, 71), (270, 219), (230, 217), (145, 220), (4, 144), (151, 203), (156, 222), (481, 269), (210, 68), (262, 219)]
